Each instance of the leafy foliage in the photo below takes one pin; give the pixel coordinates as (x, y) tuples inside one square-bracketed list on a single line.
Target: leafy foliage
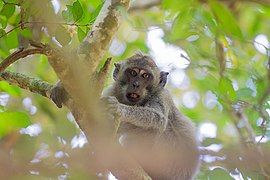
[(224, 88), (10, 121)]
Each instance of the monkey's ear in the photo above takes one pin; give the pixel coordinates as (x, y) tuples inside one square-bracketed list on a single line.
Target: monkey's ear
[(163, 78), (116, 70)]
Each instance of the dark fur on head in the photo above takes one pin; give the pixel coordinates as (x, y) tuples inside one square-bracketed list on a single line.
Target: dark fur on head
[(142, 62), (145, 62)]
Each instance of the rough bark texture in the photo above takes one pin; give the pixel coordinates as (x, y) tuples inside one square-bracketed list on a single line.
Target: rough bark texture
[(32, 84)]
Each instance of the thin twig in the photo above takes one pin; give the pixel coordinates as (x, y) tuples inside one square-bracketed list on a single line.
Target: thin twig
[(11, 3), (60, 23), (101, 77), (37, 44), (23, 12), (17, 55), (220, 56), (6, 33)]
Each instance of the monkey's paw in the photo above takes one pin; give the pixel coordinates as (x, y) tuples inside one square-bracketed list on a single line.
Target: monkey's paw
[(112, 106), (59, 95)]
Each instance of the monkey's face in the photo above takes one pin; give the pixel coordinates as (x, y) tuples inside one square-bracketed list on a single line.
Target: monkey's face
[(137, 82), (137, 79)]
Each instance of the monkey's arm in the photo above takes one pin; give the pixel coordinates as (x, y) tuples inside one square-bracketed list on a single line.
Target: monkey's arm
[(144, 117)]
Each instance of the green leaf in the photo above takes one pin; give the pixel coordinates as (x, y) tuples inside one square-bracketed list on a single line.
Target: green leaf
[(8, 10), (12, 90), (73, 13), (225, 19), (77, 11), (244, 94), (62, 35), (3, 21), (176, 6), (95, 14), (2, 32), (12, 39), (81, 34), (12, 1), (67, 14), (1, 4), (261, 86), (181, 28), (10, 121), (226, 88), (25, 32)]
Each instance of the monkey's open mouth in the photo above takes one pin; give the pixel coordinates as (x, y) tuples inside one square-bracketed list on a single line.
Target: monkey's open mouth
[(133, 96)]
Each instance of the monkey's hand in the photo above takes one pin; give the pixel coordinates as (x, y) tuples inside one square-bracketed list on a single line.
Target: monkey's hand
[(59, 95), (112, 108), (145, 117)]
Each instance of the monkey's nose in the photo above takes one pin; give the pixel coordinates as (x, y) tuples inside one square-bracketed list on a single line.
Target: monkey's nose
[(136, 84)]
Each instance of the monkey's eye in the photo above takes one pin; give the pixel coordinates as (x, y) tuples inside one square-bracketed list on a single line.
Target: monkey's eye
[(145, 75), (133, 73)]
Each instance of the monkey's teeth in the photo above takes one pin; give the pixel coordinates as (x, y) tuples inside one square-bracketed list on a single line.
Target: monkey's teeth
[(133, 95)]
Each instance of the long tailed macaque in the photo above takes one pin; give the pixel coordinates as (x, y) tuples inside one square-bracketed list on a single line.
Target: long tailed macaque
[(161, 139)]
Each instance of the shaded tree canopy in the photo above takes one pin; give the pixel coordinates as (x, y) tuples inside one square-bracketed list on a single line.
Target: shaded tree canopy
[(216, 53)]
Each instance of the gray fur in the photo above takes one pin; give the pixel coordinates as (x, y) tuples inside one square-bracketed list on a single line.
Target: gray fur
[(155, 133)]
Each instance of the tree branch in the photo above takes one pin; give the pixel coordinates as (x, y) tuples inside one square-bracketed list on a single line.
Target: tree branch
[(23, 13), (75, 76), (32, 84), (220, 56), (17, 55), (101, 76), (21, 53), (97, 41)]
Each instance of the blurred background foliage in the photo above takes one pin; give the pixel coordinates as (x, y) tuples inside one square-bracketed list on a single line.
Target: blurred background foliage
[(218, 59)]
